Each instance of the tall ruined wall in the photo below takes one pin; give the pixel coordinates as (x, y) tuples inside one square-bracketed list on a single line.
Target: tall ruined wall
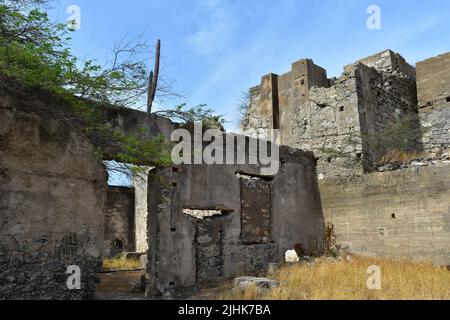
[(140, 183), (119, 221), (435, 124), (433, 86), (333, 117), (143, 124), (325, 124), (401, 213), (262, 107), (279, 97), (294, 88), (52, 200), (433, 81), (384, 98), (261, 218)]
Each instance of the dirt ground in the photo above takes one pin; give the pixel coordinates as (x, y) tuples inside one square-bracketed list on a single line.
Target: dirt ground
[(119, 286)]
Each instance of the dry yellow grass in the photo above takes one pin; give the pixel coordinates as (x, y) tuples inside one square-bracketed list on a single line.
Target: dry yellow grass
[(400, 280), (403, 156), (118, 264)]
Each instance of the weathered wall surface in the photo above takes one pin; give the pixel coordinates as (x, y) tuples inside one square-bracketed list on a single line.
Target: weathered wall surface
[(387, 61), (119, 221), (185, 251), (435, 124), (52, 201), (433, 82), (280, 96), (403, 213), (263, 107), (293, 90), (332, 116), (325, 125), (384, 98), (433, 90), (132, 121), (140, 183)]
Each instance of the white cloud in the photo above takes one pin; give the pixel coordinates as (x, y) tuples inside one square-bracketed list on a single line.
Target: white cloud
[(215, 31)]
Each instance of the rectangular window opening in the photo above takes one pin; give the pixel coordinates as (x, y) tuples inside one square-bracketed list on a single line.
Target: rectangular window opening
[(247, 176), (204, 213)]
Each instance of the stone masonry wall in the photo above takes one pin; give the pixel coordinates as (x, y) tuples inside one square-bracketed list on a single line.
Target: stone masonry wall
[(435, 124), (402, 213), (52, 200), (279, 96), (433, 90), (185, 251), (325, 124), (433, 81), (140, 183), (262, 107), (119, 221), (333, 117)]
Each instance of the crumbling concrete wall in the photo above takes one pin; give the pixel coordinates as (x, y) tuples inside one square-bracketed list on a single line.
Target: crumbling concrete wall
[(402, 213), (435, 125), (331, 117), (144, 125), (140, 183), (433, 90), (52, 200), (326, 125), (185, 251), (262, 107), (119, 221), (433, 82), (278, 97)]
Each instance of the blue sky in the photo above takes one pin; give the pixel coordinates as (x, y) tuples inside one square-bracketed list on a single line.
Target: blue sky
[(217, 49)]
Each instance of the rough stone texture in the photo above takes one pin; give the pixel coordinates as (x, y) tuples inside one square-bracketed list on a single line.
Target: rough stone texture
[(278, 94), (140, 183), (132, 121), (256, 211), (52, 200), (433, 91), (435, 124), (332, 116), (325, 125), (185, 251), (384, 98), (209, 250), (392, 214), (264, 116), (433, 81), (119, 221), (386, 61)]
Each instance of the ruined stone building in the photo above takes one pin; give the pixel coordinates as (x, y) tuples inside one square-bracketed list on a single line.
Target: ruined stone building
[(331, 117), (57, 209), (206, 223), (392, 213)]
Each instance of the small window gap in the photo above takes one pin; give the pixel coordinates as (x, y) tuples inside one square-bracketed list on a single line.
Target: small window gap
[(247, 176), (204, 213)]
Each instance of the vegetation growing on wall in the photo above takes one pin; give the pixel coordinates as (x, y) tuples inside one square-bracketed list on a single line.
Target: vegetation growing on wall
[(398, 141), (35, 52)]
